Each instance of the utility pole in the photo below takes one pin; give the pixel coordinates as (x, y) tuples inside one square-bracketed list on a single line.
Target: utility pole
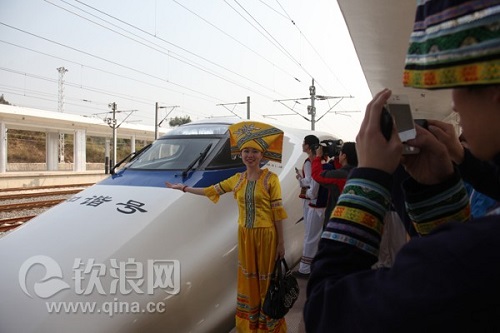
[(237, 103), (311, 109), (248, 107), (112, 123), (158, 124), (60, 108)]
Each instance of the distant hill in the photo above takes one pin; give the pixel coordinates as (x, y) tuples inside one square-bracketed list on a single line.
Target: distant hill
[(30, 147)]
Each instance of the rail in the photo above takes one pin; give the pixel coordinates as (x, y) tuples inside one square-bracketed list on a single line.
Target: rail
[(19, 205), (47, 187), (36, 195)]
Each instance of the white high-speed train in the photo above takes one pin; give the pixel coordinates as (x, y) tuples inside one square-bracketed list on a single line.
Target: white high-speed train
[(130, 255)]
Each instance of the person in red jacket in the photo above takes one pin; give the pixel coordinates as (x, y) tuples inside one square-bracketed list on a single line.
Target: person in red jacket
[(334, 179), (446, 280)]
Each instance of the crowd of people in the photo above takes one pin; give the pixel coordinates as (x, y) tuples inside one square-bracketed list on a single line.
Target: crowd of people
[(445, 279), (441, 273), (321, 180)]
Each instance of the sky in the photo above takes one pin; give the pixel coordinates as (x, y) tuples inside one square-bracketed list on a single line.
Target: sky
[(196, 58)]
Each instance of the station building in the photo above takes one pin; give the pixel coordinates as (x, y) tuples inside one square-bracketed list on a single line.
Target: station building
[(56, 123)]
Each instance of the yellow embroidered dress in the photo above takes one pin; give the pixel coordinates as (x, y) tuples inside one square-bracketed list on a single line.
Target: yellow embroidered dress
[(259, 205)]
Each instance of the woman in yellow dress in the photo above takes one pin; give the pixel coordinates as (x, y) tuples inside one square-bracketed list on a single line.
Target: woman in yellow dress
[(260, 230)]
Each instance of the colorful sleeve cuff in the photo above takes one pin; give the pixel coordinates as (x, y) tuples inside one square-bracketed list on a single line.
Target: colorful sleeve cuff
[(279, 214), (358, 217), (212, 193), (430, 206)]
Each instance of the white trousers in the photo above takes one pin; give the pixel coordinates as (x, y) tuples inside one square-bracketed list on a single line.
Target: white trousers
[(312, 234)]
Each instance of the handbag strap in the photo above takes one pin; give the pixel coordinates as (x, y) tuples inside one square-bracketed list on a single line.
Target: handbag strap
[(278, 273), (277, 270), (286, 266)]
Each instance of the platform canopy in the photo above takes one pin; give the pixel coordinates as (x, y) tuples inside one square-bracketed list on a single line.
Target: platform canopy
[(380, 31), (40, 120)]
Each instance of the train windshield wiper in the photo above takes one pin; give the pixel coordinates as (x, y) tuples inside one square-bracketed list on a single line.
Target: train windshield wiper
[(200, 158), (132, 156)]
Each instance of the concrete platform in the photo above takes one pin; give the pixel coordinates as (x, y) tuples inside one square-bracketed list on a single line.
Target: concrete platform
[(294, 318), (49, 178)]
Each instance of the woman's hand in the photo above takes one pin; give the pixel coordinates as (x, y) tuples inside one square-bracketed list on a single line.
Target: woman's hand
[(280, 251), (177, 186), (373, 150)]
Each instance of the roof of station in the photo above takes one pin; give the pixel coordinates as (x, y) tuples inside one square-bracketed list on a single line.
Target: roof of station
[(21, 118), (380, 32)]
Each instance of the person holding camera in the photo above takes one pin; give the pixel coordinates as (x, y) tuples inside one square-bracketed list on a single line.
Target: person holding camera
[(304, 177), (446, 280), (333, 179)]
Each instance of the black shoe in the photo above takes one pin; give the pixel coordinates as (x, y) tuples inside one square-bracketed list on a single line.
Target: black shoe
[(300, 275)]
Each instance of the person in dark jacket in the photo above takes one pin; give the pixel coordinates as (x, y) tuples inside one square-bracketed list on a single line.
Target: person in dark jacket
[(446, 280)]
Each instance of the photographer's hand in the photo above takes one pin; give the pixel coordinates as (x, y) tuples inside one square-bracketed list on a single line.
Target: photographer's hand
[(446, 134), (432, 165), (373, 150)]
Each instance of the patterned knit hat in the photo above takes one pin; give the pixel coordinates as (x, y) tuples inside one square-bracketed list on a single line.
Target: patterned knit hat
[(454, 43), (252, 134)]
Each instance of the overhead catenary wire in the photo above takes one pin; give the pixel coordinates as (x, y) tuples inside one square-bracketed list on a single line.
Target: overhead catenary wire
[(288, 54), (179, 47), (76, 85), (178, 58), (184, 49), (79, 86), (159, 48), (214, 99), (191, 64), (271, 39), (287, 16), (106, 60), (103, 59)]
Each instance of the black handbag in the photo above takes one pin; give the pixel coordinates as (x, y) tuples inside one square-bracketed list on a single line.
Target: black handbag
[(282, 293)]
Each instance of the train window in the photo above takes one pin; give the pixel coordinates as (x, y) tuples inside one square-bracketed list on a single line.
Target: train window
[(172, 153), (201, 129), (223, 159)]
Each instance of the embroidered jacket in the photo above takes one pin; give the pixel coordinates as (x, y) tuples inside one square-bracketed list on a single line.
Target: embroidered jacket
[(444, 281)]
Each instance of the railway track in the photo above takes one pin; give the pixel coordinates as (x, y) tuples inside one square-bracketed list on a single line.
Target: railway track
[(8, 224), (19, 205), (35, 194), (29, 205), (38, 188)]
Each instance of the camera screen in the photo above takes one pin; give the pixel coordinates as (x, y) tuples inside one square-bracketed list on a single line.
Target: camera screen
[(402, 116)]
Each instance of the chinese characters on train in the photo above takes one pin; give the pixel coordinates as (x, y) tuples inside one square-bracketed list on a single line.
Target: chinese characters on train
[(129, 207)]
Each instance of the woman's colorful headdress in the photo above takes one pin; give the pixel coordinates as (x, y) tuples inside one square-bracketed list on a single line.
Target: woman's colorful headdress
[(252, 134)]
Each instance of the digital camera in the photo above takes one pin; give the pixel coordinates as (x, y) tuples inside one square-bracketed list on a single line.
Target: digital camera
[(331, 148)]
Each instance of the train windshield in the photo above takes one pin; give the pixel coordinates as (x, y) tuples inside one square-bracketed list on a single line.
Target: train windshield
[(189, 147)]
